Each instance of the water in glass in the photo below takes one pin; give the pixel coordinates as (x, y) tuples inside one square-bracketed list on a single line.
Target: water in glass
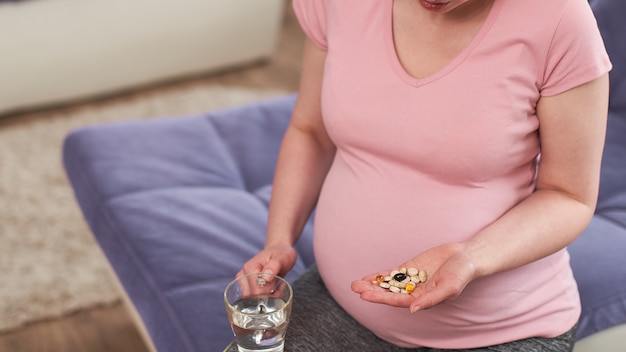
[(259, 324)]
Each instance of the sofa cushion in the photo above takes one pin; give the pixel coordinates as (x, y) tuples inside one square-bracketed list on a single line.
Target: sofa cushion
[(598, 263), (610, 15), (178, 205), (597, 256)]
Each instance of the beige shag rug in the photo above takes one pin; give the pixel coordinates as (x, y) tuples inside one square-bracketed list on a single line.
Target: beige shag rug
[(50, 264)]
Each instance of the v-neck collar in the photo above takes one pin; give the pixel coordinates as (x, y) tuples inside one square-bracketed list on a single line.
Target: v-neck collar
[(450, 66)]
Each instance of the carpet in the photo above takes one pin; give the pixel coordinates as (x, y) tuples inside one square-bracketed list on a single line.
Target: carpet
[(50, 263)]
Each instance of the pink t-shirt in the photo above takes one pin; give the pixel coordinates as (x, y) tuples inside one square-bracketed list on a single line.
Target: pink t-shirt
[(422, 162)]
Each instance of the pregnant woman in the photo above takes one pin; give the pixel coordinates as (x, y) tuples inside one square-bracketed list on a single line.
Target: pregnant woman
[(459, 137)]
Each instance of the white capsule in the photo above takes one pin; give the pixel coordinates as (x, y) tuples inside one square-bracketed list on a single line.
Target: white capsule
[(412, 272), (422, 276), (394, 289)]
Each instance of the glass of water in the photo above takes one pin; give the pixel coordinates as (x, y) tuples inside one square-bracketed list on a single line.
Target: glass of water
[(258, 308)]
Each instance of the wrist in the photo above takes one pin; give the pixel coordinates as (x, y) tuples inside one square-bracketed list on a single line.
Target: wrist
[(478, 254), (275, 241)]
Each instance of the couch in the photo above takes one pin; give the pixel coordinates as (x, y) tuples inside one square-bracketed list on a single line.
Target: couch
[(179, 204), (60, 51)]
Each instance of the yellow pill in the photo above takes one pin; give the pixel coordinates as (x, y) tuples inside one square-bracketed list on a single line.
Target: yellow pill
[(410, 287)]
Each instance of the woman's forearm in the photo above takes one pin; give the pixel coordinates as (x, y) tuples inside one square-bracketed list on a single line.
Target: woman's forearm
[(542, 224), (305, 156), (302, 166)]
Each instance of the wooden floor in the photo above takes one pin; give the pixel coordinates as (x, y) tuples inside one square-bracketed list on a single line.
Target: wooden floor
[(111, 328)]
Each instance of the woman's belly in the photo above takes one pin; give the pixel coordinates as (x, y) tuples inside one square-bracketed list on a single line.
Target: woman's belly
[(371, 219)]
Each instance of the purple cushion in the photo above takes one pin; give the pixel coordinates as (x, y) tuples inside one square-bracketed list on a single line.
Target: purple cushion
[(598, 262), (598, 258), (178, 205), (610, 15)]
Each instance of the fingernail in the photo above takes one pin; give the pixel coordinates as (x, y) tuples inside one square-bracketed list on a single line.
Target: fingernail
[(415, 309), (268, 273)]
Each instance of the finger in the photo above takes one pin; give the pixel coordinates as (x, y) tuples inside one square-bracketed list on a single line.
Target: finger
[(243, 282), (253, 286), (376, 294), (245, 286), (252, 267), (386, 297), (360, 286), (372, 277), (271, 269)]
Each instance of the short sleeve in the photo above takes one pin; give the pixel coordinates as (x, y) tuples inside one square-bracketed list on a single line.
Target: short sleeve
[(577, 54), (312, 17)]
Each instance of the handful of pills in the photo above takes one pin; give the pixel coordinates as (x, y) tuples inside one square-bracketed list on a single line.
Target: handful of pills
[(401, 281)]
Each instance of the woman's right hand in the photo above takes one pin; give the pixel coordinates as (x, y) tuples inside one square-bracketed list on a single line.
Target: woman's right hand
[(272, 260)]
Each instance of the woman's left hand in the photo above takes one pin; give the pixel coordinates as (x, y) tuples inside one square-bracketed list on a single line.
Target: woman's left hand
[(448, 268)]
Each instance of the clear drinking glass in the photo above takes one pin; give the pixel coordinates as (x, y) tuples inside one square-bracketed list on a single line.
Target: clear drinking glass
[(258, 308)]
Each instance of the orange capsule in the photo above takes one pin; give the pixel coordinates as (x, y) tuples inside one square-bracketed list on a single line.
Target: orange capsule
[(410, 287), (380, 278)]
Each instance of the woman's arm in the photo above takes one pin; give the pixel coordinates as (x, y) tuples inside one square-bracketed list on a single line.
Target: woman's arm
[(303, 161), (572, 130)]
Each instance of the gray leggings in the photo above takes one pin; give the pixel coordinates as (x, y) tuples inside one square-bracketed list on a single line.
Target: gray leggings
[(318, 323)]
